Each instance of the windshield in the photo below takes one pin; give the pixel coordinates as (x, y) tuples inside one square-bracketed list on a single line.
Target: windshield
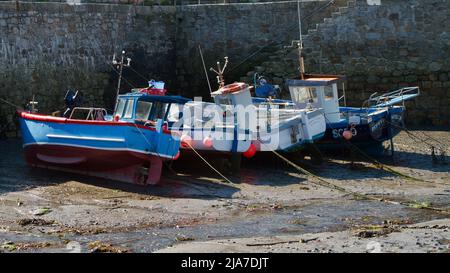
[(159, 111), (304, 94), (328, 92), (129, 109), (143, 110), (119, 108)]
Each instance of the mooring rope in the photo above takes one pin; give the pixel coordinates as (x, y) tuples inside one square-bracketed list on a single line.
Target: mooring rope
[(207, 163), (190, 146), (327, 184), (193, 149), (386, 168), (382, 166), (12, 104), (441, 145), (137, 73)]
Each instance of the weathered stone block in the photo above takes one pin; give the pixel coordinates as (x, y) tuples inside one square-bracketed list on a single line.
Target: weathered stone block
[(427, 84), (434, 66), (443, 77), (411, 78)]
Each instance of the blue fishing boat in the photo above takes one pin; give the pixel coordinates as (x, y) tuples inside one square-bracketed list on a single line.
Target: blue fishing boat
[(122, 149), (367, 127), (128, 146), (379, 119)]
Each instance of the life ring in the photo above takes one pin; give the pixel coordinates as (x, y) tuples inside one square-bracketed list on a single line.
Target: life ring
[(233, 87)]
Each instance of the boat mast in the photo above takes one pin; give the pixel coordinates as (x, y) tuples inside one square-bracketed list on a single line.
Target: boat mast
[(219, 72), (204, 68), (120, 64), (300, 43)]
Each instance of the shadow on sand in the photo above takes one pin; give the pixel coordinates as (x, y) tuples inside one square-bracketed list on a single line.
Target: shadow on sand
[(331, 169), (193, 178), (263, 169), (418, 161), (15, 176)]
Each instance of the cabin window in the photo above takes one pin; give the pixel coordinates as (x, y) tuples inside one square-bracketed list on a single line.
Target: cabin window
[(159, 111), (119, 108), (129, 109), (143, 109), (328, 92), (305, 94), (174, 112)]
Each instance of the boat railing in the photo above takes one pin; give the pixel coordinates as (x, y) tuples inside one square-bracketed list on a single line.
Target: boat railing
[(88, 113), (394, 97)]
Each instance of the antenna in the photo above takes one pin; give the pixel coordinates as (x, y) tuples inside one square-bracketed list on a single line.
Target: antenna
[(120, 64), (204, 68), (33, 104), (300, 44), (299, 22), (219, 72)]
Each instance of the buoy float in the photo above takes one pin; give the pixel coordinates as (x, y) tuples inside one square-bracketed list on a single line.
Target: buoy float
[(347, 134), (233, 87), (176, 156), (116, 118), (208, 142), (250, 152), (186, 141)]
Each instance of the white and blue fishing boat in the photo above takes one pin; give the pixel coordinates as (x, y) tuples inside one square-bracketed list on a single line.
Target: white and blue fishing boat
[(367, 127), (88, 141), (275, 127)]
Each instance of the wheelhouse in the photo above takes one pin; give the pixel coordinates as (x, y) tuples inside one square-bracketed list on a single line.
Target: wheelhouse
[(319, 91), (148, 109)]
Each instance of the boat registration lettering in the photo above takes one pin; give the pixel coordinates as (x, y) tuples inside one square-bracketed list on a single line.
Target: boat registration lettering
[(377, 126), (337, 133)]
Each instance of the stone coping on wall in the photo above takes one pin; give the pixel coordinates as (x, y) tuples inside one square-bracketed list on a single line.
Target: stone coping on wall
[(85, 7), (140, 3)]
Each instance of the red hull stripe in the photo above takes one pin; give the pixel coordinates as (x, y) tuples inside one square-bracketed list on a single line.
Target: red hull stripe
[(46, 118)]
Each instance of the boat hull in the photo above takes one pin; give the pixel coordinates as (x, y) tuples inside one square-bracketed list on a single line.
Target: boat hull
[(81, 158), (291, 134), (119, 151), (382, 126)]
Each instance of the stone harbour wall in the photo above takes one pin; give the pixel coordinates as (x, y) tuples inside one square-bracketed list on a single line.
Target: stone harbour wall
[(46, 48), (247, 33), (381, 48)]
